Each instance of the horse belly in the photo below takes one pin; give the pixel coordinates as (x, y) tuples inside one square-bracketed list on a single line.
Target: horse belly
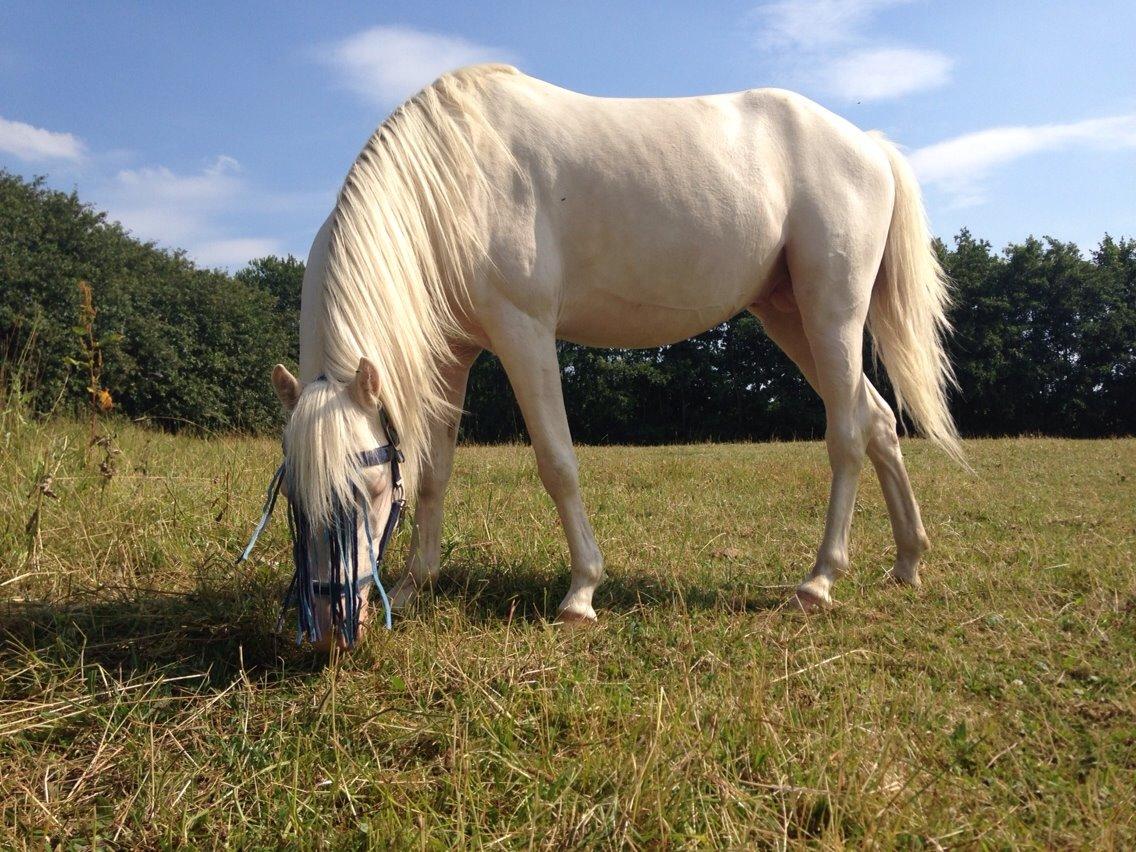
[(628, 317), (650, 282)]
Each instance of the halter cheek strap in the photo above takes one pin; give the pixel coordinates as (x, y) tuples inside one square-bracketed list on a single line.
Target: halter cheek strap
[(341, 537)]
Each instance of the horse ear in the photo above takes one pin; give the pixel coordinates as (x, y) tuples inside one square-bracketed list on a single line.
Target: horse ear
[(364, 388), (287, 386)]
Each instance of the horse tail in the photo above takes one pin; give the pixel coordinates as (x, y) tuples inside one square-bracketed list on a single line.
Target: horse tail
[(908, 313)]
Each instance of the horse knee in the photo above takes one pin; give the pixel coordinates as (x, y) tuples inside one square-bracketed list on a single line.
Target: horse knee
[(559, 473), (431, 489)]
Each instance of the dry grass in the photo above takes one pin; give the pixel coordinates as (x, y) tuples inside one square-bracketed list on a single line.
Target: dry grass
[(145, 701)]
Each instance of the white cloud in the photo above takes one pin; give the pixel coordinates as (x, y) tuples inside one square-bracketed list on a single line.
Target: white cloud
[(824, 44), (235, 252), (203, 212), (960, 166), (813, 24), (34, 144), (385, 65), (186, 210), (890, 72), (159, 204), (159, 186)]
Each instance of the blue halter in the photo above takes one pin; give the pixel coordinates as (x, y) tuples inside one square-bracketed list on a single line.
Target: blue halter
[(342, 538)]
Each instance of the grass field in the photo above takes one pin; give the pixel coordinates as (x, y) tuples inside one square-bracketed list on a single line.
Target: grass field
[(145, 700)]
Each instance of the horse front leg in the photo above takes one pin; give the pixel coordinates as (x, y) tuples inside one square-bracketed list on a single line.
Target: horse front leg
[(527, 349), (424, 559)]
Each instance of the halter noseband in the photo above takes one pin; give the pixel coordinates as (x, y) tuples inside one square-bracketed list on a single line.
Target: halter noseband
[(342, 537)]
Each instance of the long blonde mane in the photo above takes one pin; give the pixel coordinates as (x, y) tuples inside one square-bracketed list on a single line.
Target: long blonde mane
[(404, 236)]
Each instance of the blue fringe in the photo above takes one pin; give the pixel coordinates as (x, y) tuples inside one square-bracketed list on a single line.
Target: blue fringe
[(342, 539)]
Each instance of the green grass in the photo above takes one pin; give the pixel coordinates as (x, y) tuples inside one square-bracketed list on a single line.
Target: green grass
[(145, 700)]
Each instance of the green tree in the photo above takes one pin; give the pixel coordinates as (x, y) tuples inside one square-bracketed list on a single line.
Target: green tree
[(281, 278)]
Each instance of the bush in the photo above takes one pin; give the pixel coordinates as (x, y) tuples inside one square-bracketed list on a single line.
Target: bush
[(180, 345)]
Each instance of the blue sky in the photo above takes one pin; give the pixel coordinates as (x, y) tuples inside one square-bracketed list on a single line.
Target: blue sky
[(226, 128)]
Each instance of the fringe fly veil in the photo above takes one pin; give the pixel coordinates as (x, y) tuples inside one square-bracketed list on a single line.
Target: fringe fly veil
[(404, 235)]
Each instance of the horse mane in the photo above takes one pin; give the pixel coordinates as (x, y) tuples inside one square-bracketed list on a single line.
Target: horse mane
[(404, 236)]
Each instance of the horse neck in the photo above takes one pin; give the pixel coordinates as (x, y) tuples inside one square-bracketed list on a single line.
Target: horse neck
[(311, 305)]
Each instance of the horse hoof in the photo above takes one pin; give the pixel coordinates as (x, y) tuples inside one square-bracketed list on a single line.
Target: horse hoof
[(404, 593), (905, 578), (810, 599), (575, 620)]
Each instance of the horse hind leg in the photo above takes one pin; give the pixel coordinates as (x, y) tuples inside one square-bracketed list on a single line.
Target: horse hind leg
[(832, 272), (782, 322), (836, 348), (911, 540)]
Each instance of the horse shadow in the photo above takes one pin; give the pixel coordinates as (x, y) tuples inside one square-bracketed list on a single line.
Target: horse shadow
[(225, 629), (217, 633), (524, 591)]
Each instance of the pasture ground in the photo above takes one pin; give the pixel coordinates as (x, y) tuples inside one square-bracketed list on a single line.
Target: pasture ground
[(145, 701)]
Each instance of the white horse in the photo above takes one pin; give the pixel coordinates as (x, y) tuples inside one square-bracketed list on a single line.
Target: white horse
[(495, 211)]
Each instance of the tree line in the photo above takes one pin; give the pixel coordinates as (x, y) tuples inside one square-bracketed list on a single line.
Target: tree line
[(1044, 342)]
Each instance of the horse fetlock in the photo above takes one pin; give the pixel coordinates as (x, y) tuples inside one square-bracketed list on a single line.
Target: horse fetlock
[(830, 566), (588, 573), (906, 568)]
